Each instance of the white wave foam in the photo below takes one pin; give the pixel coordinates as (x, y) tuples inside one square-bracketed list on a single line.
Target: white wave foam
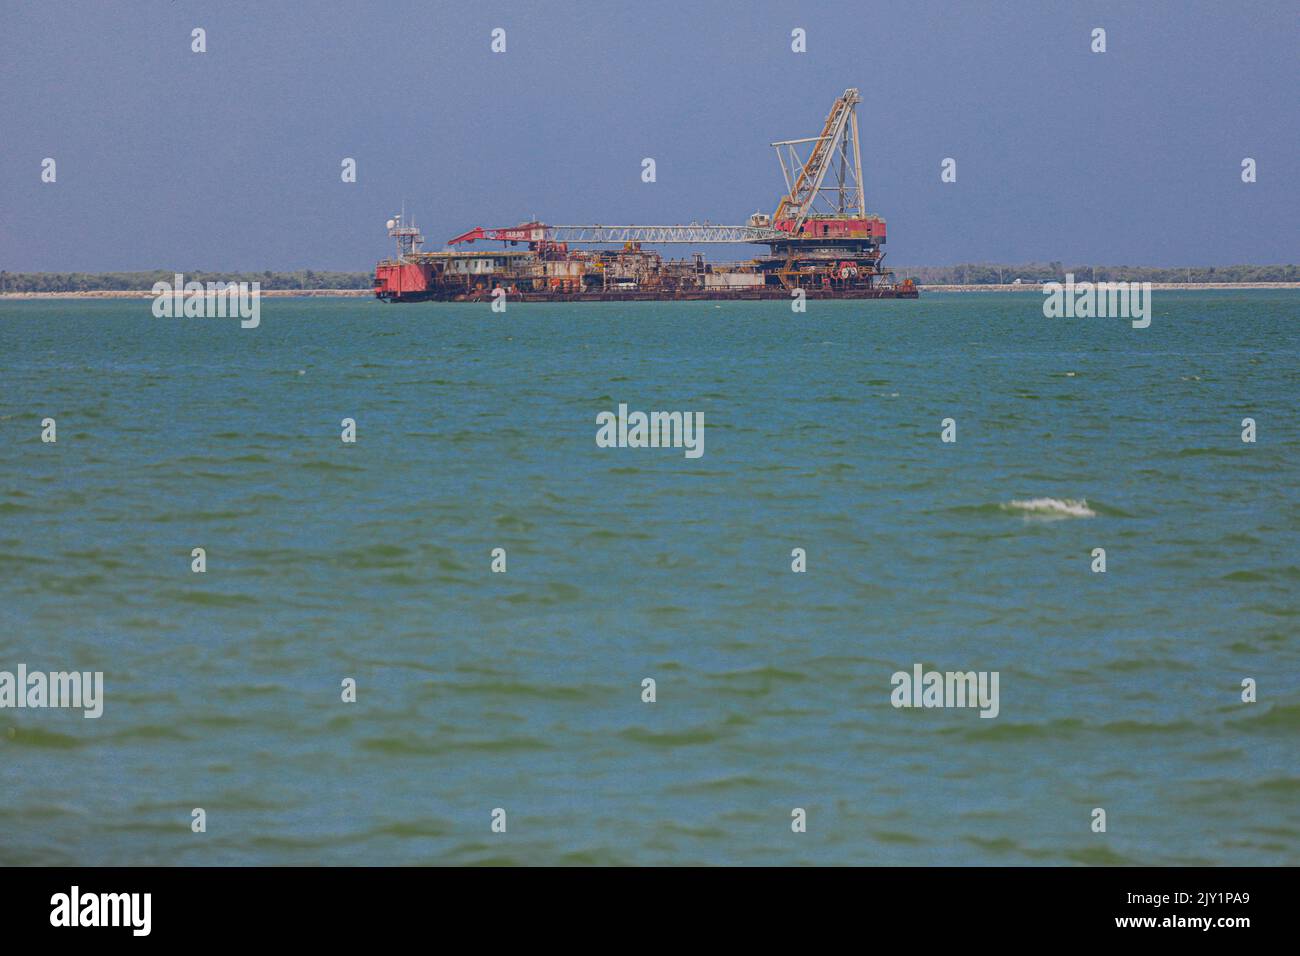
[(1052, 507)]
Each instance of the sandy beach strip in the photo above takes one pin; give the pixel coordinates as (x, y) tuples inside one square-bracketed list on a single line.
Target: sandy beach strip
[(1155, 286)]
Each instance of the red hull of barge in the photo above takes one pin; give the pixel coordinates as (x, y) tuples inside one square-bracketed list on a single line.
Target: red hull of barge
[(397, 281), (747, 295)]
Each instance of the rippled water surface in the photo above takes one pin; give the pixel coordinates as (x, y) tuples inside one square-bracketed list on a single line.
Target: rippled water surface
[(523, 690)]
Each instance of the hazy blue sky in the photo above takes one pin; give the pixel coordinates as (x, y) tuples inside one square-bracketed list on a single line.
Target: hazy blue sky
[(231, 159)]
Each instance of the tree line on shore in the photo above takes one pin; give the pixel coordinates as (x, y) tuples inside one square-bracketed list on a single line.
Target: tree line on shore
[(989, 273), (979, 273), (144, 281)]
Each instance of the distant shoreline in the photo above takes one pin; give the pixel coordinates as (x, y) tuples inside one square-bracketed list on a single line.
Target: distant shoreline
[(147, 294), (367, 293), (1161, 286)]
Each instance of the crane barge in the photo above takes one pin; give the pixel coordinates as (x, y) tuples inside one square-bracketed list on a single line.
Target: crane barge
[(821, 241)]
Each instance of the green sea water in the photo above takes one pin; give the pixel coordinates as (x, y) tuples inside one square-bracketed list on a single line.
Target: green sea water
[(523, 690)]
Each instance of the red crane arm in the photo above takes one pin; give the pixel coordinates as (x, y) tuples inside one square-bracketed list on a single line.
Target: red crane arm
[(527, 232)]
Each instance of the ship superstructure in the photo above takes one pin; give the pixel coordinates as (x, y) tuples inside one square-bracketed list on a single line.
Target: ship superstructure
[(820, 238)]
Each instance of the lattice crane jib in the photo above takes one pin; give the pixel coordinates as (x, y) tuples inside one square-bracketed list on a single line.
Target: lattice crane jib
[(836, 148)]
